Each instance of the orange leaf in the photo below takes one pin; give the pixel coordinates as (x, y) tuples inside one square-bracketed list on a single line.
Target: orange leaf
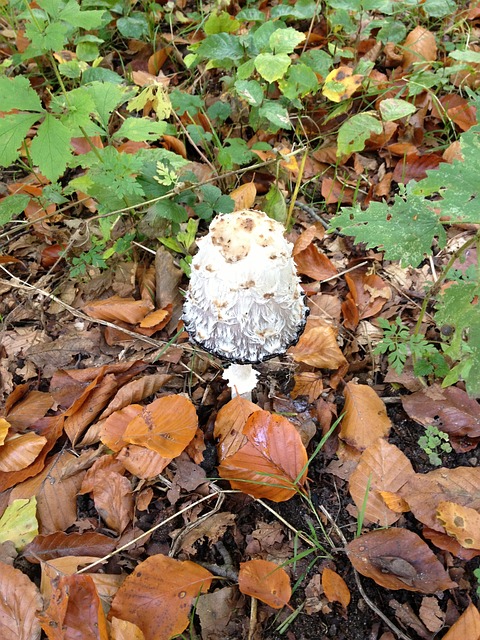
[(166, 426), (117, 308), (318, 347), (335, 587), (141, 462), (244, 196), (113, 428), (19, 451), (394, 502), (158, 595), (265, 581), (467, 626), (157, 319), (229, 425), (365, 416), (123, 630), (307, 383), (314, 264), (20, 601), (447, 543), (419, 46), (398, 559), (383, 467), (268, 465), (460, 522), (4, 427)]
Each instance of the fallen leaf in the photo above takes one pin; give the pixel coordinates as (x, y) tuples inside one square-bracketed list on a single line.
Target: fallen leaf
[(244, 196), (460, 522), (158, 595), (341, 84), (229, 425), (398, 559), (265, 581), (28, 410), (431, 615), (272, 464), (419, 46), (59, 544), (307, 383), (365, 416), (382, 467), (141, 462), (467, 626), (318, 347), (335, 587), (369, 293), (113, 428), (20, 601), (18, 523), (20, 451), (215, 611), (314, 264), (117, 308), (447, 543)]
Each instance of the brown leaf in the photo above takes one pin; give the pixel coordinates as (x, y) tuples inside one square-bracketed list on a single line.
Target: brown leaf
[(158, 595), (447, 543), (268, 465), (117, 308), (135, 391), (229, 425), (113, 428), (307, 383), (123, 630), (305, 239), (431, 615), (58, 544), (244, 196), (467, 626), (166, 426), (318, 347), (365, 416), (113, 498), (369, 293), (335, 587), (414, 167), (419, 46), (28, 410), (265, 581), (314, 264), (142, 462), (398, 559), (20, 601), (383, 467), (460, 522), (20, 451)]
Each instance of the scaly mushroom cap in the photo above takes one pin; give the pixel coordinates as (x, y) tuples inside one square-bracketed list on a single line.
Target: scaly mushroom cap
[(244, 302)]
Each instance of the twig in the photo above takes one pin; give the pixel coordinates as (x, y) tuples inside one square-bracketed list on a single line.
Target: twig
[(367, 600), (253, 619)]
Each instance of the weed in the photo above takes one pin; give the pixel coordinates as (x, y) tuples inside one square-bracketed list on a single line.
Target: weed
[(434, 443)]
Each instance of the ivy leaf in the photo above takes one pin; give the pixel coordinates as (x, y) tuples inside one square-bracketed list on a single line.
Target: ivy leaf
[(272, 66), (353, 133), (17, 93), (13, 130), (51, 148), (404, 230)]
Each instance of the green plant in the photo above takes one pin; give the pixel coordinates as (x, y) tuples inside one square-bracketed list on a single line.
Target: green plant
[(476, 573), (434, 443)]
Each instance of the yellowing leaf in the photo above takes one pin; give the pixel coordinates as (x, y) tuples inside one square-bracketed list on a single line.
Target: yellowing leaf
[(244, 196), (394, 502), (463, 523), (341, 84), (4, 427), (467, 626), (266, 581), (19, 523)]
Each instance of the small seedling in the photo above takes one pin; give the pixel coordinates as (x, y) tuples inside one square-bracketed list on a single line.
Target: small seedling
[(434, 442)]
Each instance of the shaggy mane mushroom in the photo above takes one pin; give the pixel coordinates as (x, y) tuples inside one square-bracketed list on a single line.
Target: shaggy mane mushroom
[(244, 302)]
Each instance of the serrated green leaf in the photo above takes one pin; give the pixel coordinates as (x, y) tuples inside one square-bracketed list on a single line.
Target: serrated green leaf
[(19, 523), (272, 66), (12, 206), (235, 151), (395, 108), (106, 97), (17, 93), (404, 231), (355, 131), (285, 40), (13, 130), (75, 109), (45, 38), (251, 91), (169, 210), (140, 129), (89, 19), (51, 149)]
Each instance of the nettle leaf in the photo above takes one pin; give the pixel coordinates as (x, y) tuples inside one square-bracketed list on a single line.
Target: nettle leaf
[(404, 230), (272, 66), (395, 108), (13, 130), (285, 40), (355, 131), (460, 197), (251, 91), (11, 206), (50, 149), (17, 93), (140, 129), (220, 47)]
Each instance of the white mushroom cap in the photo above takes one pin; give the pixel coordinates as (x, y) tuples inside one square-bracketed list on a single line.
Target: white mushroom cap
[(244, 302)]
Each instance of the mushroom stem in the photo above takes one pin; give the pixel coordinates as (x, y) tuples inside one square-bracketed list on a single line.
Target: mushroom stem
[(241, 378)]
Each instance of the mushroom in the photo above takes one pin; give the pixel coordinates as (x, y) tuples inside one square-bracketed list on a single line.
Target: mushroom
[(244, 302)]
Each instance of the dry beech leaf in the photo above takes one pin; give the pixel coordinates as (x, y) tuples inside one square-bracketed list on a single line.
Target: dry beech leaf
[(58, 544), (447, 543), (265, 581), (74, 611), (335, 587), (460, 522), (419, 46), (124, 630), (424, 492), (318, 347), (166, 426), (158, 595), (20, 450), (368, 294), (307, 383), (157, 319), (395, 502), (398, 559), (117, 308), (365, 416), (113, 428), (4, 427), (229, 424), (20, 601), (314, 264), (142, 462), (341, 84), (431, 615), (268, 465), (244, 196), (385, 468), (30, 409), (467, 626)]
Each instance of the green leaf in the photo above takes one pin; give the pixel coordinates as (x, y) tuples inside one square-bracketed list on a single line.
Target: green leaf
[(299, 82), (106, 97), (318, 60), (251, 91), (45, 38), (275, 205), (19, 523), (185, 103), (17, 93), (140, 129), (271, 66), (170, 210), (353, 133), (90, 19), (50, 149), (13, 130), (220, 46), (393, 31), (219, 111), (395, 108), (220, 22), (135, 26), (74, 109), (466, 56), (404, 230), (439, 8), (285, 40), (275, 114), (235, 151), (11, 206)]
